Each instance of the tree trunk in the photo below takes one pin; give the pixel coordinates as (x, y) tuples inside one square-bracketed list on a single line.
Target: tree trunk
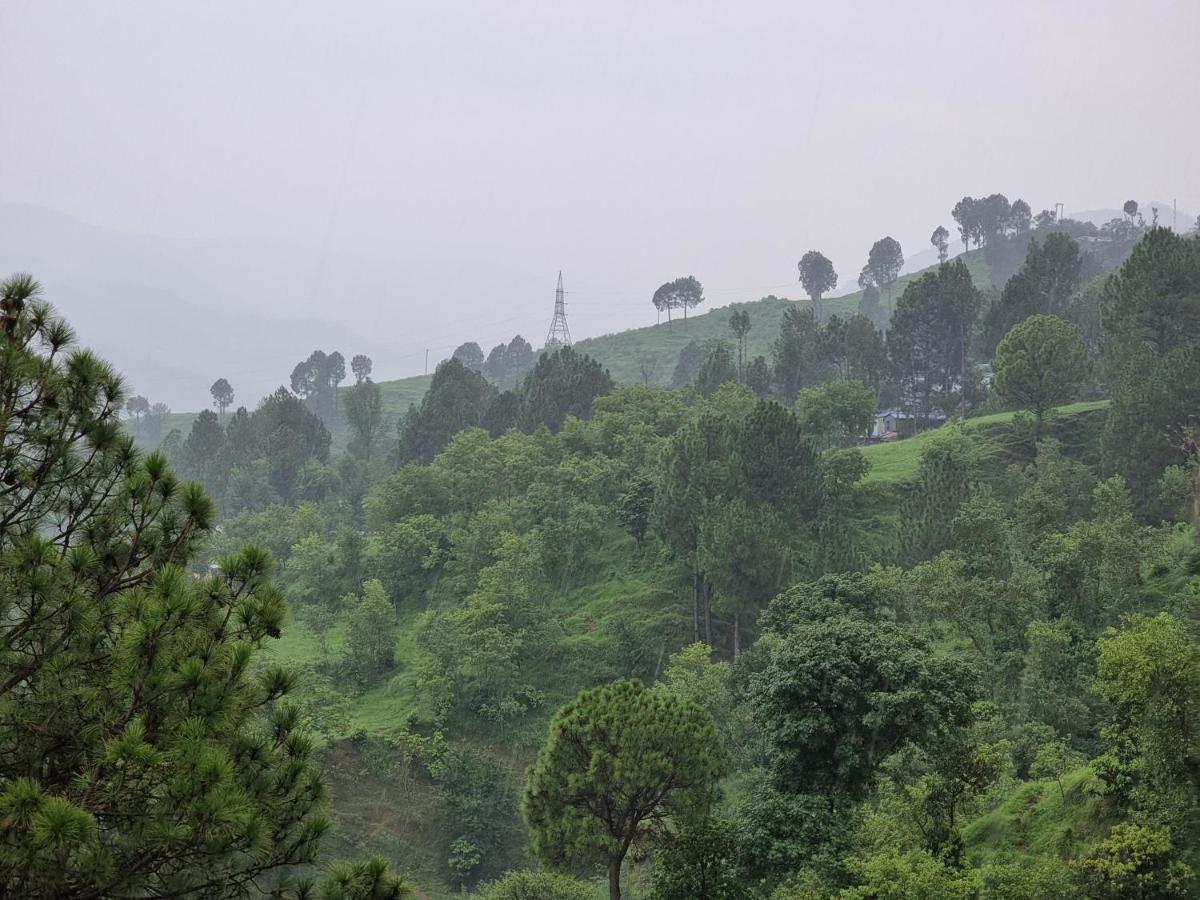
[(708, 614), (737, 634), (1196, 501), (695, 606), (614, 879)]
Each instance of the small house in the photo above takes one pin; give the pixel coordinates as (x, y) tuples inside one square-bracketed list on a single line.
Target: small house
[(891, 424)]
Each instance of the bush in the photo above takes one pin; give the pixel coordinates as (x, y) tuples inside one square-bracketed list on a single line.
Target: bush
[(536, 886), (1133, 861)]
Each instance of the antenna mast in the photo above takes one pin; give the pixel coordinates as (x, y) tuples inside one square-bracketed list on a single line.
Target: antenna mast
[(559, 334)]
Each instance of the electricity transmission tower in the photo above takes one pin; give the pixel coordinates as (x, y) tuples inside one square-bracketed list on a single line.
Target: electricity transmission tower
[(559, 334)]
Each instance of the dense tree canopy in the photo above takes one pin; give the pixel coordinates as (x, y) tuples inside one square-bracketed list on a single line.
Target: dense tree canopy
[(930, 336), (563, 383), (458, 398), (1151, 355)]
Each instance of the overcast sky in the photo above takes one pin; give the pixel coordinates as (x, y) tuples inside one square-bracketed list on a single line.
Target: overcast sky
[(625, 143)]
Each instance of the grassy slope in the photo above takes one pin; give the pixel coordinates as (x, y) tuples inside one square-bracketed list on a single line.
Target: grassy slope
[(897, 461), (1039, 819), (623, 352)]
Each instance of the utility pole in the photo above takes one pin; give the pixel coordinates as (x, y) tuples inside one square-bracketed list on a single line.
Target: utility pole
[(426, 361), (558, 335)]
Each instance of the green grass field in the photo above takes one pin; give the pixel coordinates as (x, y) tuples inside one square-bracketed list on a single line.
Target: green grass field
[(898, 461)]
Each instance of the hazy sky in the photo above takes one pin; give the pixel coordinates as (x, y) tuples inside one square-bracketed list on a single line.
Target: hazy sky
[(625, 143)]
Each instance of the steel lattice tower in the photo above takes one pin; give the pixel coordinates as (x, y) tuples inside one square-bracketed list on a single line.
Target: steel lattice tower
[(559, 334)]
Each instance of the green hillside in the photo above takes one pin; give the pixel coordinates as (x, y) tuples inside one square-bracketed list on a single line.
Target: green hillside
[(897, 461), (624, 353)]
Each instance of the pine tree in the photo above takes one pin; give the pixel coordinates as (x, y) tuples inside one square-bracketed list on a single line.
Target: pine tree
[(142, 752), (618, 760)]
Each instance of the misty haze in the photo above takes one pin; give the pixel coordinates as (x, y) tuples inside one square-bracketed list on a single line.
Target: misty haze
[(661, 451)]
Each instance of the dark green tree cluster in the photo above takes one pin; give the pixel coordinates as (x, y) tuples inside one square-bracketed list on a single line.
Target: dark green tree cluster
[(683, 293), (818, 278), (256, 459), (1151, 358), (141, 751), (506, 364), (985, 220), (930, 335), (562, 384), (316, 380), (736, 491)]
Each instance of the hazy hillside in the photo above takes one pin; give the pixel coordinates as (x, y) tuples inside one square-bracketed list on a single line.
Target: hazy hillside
[(174, 315), (623, 353), (658, 345)]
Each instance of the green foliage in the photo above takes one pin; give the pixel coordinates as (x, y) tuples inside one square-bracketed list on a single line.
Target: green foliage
[(363, 409), (142, 751), (718, 368), (635, 507), (507, 363), (884, 262), (1151, 355), (818, 278), (367, 879), (693, 675), (1045, 285), (797, 356), (316, 380), (937, 786), (1134, 861), (949, 464), (458, 398), (929, 337), (536, 886), (563, 383), (905, 875), (477, 651), (687, 365), (682, 293), (837, 414), (619, 761), (839, 693), (701, 863), (782, 833), (1150, 671), (370, 632), (1041, 363)]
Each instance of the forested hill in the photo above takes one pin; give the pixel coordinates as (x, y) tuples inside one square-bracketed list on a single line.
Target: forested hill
[(649, 354), (848, 668), (653, 350)]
